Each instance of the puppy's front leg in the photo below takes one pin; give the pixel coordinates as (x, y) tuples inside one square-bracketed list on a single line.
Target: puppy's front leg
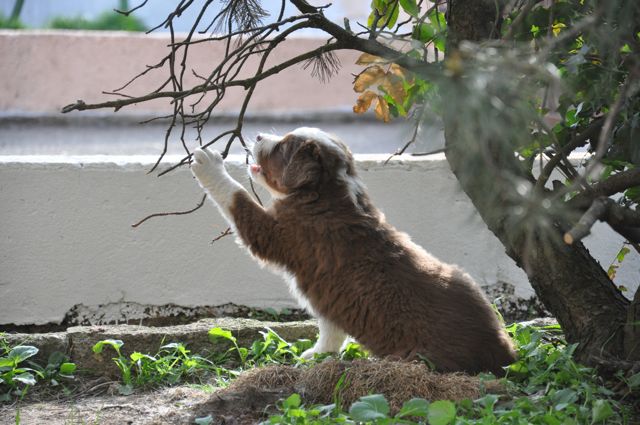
[(256, 228), (208, 168)]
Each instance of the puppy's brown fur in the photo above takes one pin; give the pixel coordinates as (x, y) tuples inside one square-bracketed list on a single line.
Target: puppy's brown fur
[(358, 271)]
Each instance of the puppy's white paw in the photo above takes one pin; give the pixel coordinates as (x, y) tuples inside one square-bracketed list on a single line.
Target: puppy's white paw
[(207, 166), (308, 354)]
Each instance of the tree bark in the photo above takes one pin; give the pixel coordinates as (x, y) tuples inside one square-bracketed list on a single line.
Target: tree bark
[(17, 9), (566, 278)]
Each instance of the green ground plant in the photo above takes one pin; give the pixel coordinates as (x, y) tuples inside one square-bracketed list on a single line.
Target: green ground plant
[(18, 374), (174, 363), (545, 386)]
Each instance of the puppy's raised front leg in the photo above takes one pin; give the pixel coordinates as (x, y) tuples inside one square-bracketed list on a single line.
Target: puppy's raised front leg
[(250, 221), (208, 168), (330, 339)]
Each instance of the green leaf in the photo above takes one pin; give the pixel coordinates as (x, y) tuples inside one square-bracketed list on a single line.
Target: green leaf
[(379, 4), (394, 9), (415, 407), (370, 19), (423, 32), (369, 408), (56, 358), (622, 253), (219, 333), (67, 368), (292, 402), (563, 397), (205, 420), (22, 352), (439, 43), (535, 30), (438, 20), (171, 346), (601, 410), (549, 419), (114, 343), (410, 6), (441, 412), (135, 356), (6, 362), (633, 193), (125, 389), (634, 381), (25, 378)]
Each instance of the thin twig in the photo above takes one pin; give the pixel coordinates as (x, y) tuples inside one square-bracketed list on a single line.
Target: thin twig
[(522, 14), (595, 212), (222, 234), (200, 204), (130, 11), (409, 143), (433, 152), (612, 115), (564, 151)]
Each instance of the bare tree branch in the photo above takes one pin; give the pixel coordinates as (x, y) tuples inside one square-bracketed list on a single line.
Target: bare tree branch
[(564, 151), (612, 185), (406, 145), (604, 139), (623, 220), (222, 234), (130, 11), (200, 204)]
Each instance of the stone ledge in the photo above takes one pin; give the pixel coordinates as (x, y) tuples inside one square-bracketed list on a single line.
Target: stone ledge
[(77, 342)]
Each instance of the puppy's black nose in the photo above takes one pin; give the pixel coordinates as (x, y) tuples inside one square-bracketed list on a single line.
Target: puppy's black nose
[(258, 137)]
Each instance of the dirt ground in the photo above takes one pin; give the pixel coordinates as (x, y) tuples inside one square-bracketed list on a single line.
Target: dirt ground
[(167, 406), (249, 399), (170, 406)]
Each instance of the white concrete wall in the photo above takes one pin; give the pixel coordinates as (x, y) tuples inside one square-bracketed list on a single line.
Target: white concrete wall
[(66, 239)]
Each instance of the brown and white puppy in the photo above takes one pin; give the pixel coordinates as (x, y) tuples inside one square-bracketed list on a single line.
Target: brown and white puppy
[(351, 269)]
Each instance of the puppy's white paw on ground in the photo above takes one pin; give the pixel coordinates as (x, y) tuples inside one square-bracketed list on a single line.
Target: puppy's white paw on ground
[(308, 354)]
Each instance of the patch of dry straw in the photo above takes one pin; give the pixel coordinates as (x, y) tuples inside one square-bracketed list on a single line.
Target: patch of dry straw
[(398, 381)]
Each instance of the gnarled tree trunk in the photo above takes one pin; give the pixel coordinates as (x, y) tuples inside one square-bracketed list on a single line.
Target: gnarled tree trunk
[(566, 278)]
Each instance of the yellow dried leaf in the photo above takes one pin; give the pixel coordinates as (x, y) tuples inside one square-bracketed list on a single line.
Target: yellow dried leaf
[(557, 28), (453, 64), (399, 71), (382, 110), (368, 77), (393, 86), (364, 102), (367, 59)]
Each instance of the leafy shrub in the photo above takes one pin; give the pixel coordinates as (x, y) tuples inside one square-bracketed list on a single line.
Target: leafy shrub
[(271, 349), (12, 24), (545, 386), (16, 377), (172, 364), (109, 21)]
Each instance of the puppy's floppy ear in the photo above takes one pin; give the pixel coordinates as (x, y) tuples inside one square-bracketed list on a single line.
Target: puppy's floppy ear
[(304, 167)]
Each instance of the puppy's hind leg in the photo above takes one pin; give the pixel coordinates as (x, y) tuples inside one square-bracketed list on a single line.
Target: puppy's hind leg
[(330, 340)]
